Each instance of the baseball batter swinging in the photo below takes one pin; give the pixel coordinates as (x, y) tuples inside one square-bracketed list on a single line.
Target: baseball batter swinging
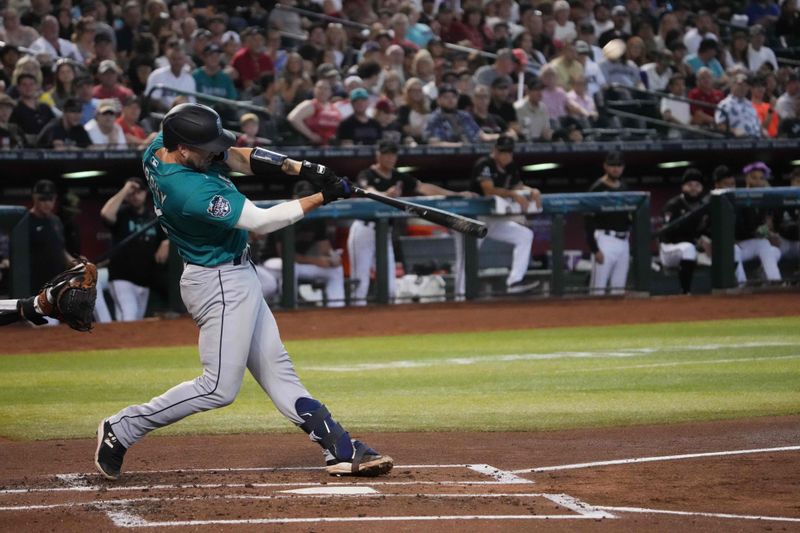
[(207, 219)]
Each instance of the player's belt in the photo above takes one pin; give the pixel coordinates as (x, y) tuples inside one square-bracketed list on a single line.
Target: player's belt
[(240, 260), (617, 234)]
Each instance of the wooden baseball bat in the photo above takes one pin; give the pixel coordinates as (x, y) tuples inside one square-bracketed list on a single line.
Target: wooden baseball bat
[(459, 223)]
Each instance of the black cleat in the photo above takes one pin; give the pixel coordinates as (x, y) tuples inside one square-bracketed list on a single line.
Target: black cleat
[(365, 462), (110, 452), (521, 287)]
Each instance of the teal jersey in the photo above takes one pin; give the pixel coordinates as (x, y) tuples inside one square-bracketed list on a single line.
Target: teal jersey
[(220, 84), (198, 210)]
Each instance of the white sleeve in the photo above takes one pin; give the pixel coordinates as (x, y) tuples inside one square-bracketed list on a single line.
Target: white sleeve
[(262, 221)]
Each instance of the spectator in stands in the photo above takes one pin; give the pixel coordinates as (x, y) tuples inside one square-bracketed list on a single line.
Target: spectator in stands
[(64, 88), (134, 268), (754, 232), (635, 52), (617, 71), (344, 55), (499, 103), (566, 66), (703, 29), (413, 113), (706, 56), (294, 84), (704, 92), (761, 12), (386, 115), (422, 68), (788, 26), (674, 110), (581, 103), (249, 124), (532, 115), (30, 114), (565, 31), (17, 34), (735, 113), (503, 66), (359, 128), (317, 119), (472, 30), (48, 254), (109, 87), (173, 76), (131, 27), (103, 130), (595, 80), (50, 44), (447, 126), (66, 131), (788, 224), (619, 18), (9, 55), (103, 50), (736, 55), (250, 61), (85, 31), (658, 73), (11, 136), (486, 120), (757, 53), (83, 92), (555, 98), (786, 106), (268, 98), (201, 38), (763, 106), (135, 135), (210, 78), (392, 87)]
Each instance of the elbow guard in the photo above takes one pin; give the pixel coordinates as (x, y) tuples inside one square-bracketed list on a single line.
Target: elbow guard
[(265, 162)]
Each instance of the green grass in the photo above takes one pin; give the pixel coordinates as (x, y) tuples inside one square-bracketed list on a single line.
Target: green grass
[(560, 378)]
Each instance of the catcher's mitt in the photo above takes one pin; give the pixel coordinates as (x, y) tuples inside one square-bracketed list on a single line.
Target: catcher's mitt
[(70, 296)]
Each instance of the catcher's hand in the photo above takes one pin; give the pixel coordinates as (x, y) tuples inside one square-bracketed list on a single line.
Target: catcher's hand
[(70, 296)]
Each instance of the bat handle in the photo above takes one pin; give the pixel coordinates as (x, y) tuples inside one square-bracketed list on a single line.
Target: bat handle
[(358, 191)]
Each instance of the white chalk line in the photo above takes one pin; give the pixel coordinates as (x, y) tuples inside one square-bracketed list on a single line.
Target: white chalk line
[(684, 363), (653, 459), (696, 513), (507, 358)]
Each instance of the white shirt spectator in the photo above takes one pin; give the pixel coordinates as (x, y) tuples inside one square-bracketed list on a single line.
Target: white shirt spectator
[(566, 33), (595, 79), (680, 111), (693, 38), (601, 27), (66, 49), (101, 139), (756, 58), (786, 106), (656, 81), (534, 121), (164, 76)]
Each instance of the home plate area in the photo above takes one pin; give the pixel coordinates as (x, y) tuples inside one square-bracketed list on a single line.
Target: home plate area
[(302, 496)]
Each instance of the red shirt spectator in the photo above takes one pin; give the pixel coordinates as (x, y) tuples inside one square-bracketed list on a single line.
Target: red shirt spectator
[(249, 62), (109, 87), (704, 92)]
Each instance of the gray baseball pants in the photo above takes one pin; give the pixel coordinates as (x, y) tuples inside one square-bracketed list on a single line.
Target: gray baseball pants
[(237, 332)]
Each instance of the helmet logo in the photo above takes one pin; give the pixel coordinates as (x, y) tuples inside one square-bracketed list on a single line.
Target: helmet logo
[(219, 125)]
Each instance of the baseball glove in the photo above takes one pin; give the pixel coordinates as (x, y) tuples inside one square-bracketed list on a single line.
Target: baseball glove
[(70, 296)]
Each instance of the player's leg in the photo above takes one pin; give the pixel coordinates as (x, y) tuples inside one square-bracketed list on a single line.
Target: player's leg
[(620, 264), (223, 307), (124, 294), (769, 256), (601, 272), (142, 297), (741, 278), (101, 312), (361, 250), (9, 312), (521, 238), (682, 255), (391, 269), (332, 276), (268, 281)]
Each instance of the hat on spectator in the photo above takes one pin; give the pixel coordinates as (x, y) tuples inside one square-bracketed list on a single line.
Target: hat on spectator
[(359, 94), (619, 10), (504, 143), (8, 47), (739, 21), (7, 100), (720, 173), (533, 83), (615, 159), (692, 174), (107, 104), (447, 88), (585, 27), (230, 36), (212, 48), (758, 166), (251, 30), (201, 33), (102, 37), (371, 46), (520, 57), (582, 47), (386, 146), (44, 188), (501, 82), (349, 80), (505, 53), (108, 64), (757, 29), (741, 77), (500, 23), (385, 105), (72, 105), (560, 5), (327, 70)]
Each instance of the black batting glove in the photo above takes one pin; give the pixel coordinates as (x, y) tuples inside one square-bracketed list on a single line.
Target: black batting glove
[(316, 173), (336, 188)]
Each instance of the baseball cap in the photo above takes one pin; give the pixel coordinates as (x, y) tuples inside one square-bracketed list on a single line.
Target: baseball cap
[(212, 49), (504, 143), (230, 36), (582, 47), (757, 29), (7, 100), (386, 146), (201, 33), (108, 64), (758, 166), (326, 70), (721, 172), (102, 37), (619, 10), (385, 105), (692, 174), (520, 57), (615, 159), (501, 81), (359, 94), (447, 88), (44, 188), (560, 5), (107, 104), (72, 105)]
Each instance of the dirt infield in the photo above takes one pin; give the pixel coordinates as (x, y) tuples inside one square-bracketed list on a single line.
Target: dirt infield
[(739, 475), (416, 319)]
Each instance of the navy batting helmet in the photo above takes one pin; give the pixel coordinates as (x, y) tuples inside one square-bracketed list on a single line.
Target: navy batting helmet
[(198, 126)]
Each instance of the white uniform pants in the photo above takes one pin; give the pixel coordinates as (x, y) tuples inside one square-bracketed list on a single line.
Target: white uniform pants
[(672, 254), (613, 272), (768, 255), (790, 249), (332, 276), (130, 299), (361, 249), (503, 230), (101, 312)]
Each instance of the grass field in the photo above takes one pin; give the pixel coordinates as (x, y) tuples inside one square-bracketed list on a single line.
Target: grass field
[(512, 380)]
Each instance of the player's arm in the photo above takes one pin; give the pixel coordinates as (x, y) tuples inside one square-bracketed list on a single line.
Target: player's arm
[(429, 189), (266, 163), (110, 209), (488, 188)]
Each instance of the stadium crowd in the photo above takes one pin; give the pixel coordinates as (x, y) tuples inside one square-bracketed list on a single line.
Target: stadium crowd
[(97, 73)]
